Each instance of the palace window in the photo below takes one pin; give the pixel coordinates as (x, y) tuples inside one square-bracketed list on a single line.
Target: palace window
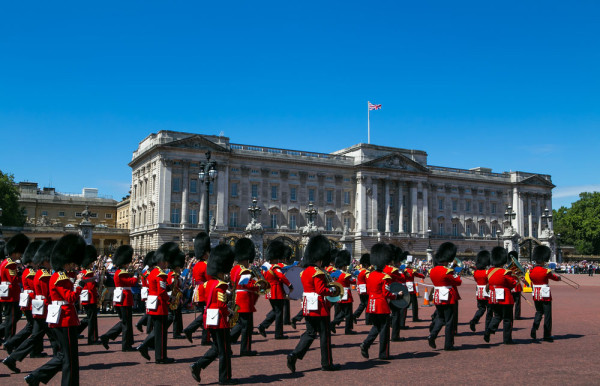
[(234, 189), (293, 222), (61, 214), (329, 223), (346, 198), (176, 184), (454, 205), (346, 222), (193, 216), (175, 215), (467, 206), (311, 195), (493, 208), (274, 192), (254, 189), (481, 230), (481, 207), (107, 216), (273, 220), (293, 194), (194, 186), (468, 230), (329, 196), (441, 204), (441, 229), (233, 219)]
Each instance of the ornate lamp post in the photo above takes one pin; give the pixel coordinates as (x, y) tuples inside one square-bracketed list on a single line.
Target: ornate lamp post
[(207, 174), (498, 233), (558, 250), (547, 218), (509, 215), (429, 249)]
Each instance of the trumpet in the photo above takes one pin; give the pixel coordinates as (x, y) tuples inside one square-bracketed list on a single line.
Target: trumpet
[(261, 282)]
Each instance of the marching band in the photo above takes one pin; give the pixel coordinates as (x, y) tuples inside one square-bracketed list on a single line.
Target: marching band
[(49, 280)]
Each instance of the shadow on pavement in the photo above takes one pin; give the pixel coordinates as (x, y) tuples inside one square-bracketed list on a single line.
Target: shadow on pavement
[(568, 336), (363, 365), (415, 355), (263, 378), (106, 366), (477, 346)]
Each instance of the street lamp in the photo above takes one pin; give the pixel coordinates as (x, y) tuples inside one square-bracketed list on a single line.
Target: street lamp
[(429, 238), (254, 209), (207, 174), (558, 250), (498, 233), (509, 215), (311, 213), (547, 218)]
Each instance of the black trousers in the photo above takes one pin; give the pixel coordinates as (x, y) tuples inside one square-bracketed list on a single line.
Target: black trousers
[(22, 335), (543, 309), (381, 328), (91, 319), (299, 316), (316, 325), (125, 326), (364, 299), (243, 328), (177, 321), (395, 321), (444, 317), (157, 339), (517, 298), (12, 315), (414, 303), (65, 360), (344, 313), (198, 323), (502, 312), (144, 321), (221, 348), (482, 306), (275, 315), (286, 312), (34, 344)]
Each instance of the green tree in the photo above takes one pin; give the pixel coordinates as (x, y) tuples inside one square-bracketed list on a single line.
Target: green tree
[(579, 225), (12, 213)]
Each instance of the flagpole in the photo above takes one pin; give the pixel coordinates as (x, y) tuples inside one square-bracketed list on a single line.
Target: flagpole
[(368, 123)]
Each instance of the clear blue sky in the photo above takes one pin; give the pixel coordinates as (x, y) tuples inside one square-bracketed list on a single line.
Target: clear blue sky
[(510, 85)]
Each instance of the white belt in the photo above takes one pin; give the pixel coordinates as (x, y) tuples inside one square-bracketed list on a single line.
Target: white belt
[(541, 286), (444, 286), (40, 297), (59, 302), (27, 291), (481, 286), (309, 293), (241, 290), (124, 288), (5, 283)]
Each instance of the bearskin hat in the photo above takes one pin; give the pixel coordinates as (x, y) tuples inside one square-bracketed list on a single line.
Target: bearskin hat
[(43, 253), (148, 259), (68, 249), (398, 254), (166, 252), (318, 248), (287, 254), (90, 256), (201, 244), (446, 253), (220, 260), (365, 260), (342, 259), (123, 255), (512, 254), (541, 254), (16, 244), (177, 260), (381, 255), (275, 250), (499, 256), (483, 259), (30, 251), (244, 250)]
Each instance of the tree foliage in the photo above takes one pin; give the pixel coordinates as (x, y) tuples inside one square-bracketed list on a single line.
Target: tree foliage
[(579, 225), (12, 213)]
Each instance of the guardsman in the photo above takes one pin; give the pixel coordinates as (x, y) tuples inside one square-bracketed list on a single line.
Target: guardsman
[(201, 253), (397, 277), (148, 264), (276, 296), (10, 286), (500, 282), (62, 316), (378, 288), (316, 308), (217, 314), (361, 284), (89, 294), (122, 300), (176, 303), (410, 274), (517, 291), (287, 255), (246, 295), (344, 312), (445, 294), (542, 298), (482, 263)]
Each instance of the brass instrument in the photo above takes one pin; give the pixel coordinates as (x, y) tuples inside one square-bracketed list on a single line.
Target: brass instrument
[(516, 268), (102, 290), (176, 294), (261, 282), (339, 289), (233, 308)]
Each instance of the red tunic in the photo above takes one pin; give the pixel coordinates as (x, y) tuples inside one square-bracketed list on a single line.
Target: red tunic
[(61, 289), (41, 285), (410, 275), (501, 280), (346, 280), (245, 294), (200, 277), (8, 274), (539, 277), (361, 281), (157, 286), (444, 279), (27, 280), (91, 286), (378, 288), (480, 277), (216, 298), (314, 283), (394, 273), (125, 280), (276, 279)]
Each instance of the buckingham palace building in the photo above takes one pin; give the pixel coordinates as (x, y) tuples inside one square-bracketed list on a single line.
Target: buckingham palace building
[(362, 194)]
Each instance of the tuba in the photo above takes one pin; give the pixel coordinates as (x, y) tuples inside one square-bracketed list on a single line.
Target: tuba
[(233, 308)]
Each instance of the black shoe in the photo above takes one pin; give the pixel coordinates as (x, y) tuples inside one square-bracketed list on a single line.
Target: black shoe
[(354, 319), (143, 350), (549, 339), (486, 337), (39, 355), (9, 349), (282, 337), (178, 337), (332, 328), (128, 349), (350, 332), (261, 330), (291, 362), (80, 337), (331, 367), (431, 341), (533, 334), (384, 358), (293, 323), (188, 335), (364, 351), (165, 361), (249, 354), (31, 380), (104, 341), (139, 328), (472, 325), (11, 364), (450, 349), (398, 339), (228, 382), (195, 372)]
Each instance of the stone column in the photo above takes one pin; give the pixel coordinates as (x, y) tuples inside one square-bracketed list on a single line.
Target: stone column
[(425, 210), (529, 215), (222, 193), (101, 246), (374, 204), (361, 205), (164, 183), (184, 192), (540, 210), (549, 206), (388, 209), (203, 198), (518, 219), (401, 206), (413, 211)]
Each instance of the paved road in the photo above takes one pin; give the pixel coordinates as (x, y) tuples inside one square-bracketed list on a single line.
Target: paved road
[(571, 359)]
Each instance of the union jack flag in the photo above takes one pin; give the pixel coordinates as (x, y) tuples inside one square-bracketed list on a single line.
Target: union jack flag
[(374, 107)]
